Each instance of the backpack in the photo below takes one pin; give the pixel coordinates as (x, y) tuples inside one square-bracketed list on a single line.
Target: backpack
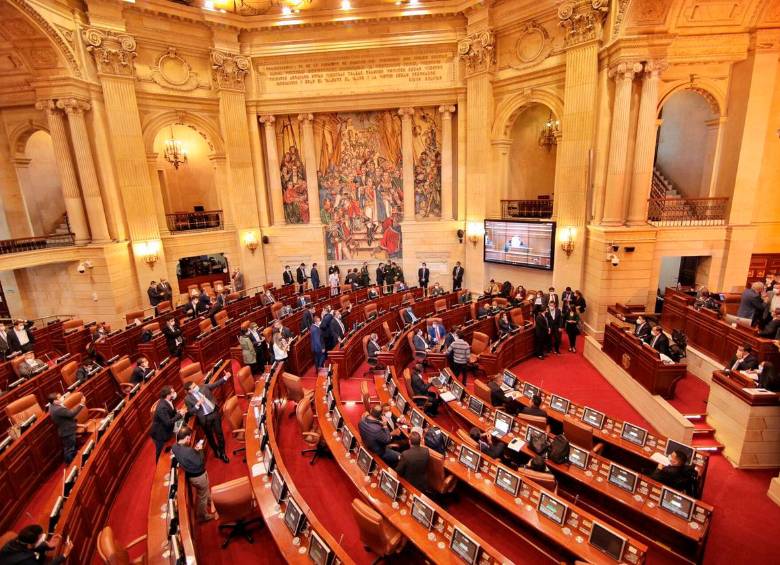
[(539, 444), (559, 449), (434, 439)]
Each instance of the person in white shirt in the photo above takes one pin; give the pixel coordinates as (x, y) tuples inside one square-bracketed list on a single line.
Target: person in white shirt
[(280, 348), (333, 281), (19, 339)]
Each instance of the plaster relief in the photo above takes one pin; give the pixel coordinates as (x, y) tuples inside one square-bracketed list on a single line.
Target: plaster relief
[(173, 72)]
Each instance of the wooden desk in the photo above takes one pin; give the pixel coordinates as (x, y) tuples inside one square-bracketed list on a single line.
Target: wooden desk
[(747, 425), (642, 362)]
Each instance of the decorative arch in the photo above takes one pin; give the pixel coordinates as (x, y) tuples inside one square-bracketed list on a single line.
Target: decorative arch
[(510, 108), (707, 88), (20, 134), (201, 125)]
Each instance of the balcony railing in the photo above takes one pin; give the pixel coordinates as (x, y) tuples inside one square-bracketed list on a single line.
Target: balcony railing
[(191, 221), (541, 208), (687, 211), (34, 243)]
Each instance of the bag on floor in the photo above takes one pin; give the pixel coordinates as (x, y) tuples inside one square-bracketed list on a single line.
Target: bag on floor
[(559, 449)]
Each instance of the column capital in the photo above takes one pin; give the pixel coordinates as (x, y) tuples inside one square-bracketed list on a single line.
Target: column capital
[(49, 106), (267, 119), (653, 69), (228, 70), (446, 111), (478, 50), (406, 113), (305, 118), (73, 105), (582, 20), (624, 70), (113, 52)]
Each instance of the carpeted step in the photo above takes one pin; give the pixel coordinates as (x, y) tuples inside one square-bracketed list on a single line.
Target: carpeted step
[(702, 428), (695, 417), (708, 444)]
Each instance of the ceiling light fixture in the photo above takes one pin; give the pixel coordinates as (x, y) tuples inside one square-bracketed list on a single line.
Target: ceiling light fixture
[(286, 10), (346, 5)]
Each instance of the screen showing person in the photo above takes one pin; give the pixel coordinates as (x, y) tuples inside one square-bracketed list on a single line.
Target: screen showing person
[(464, 547), (507, 481), (422, 512), (552, 508), (634, 434), (676, 503), (623, 478), (509, 379), (607, 541), (528, 244), (319, 552), (559, 404), (593, 418), (469, 458)]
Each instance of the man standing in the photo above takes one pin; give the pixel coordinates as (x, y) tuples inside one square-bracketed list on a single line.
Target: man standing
[(191, 460), (237, 280), (555, 324), (380, 275), (336, 328), (314, 276), (308, 317), (166, 292), (413, 463), (65, 421), (201, 404), (461, 351), (541, 333), (423, 276), (457, 276), (287, 276), (751, 304), (20, 338), (317, 345), (154, 294), (4, 347), (300, 277), (164, 420)]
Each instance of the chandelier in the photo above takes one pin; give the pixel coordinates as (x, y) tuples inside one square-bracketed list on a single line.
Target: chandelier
[(548, 137), (175, 153)]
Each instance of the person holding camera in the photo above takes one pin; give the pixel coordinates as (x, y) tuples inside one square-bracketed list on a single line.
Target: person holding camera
[(191, 460)]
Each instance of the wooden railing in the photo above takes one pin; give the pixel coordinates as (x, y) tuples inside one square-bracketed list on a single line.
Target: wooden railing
[(687, 211), (540, 208), (190, 221), (34, 243)]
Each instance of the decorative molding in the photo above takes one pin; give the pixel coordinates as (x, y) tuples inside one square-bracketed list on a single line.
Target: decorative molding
[(229, 70), (406, 113), (621, 13), (267, 119), (655, 68), (73, 105), (447, 111), (478, 50), (305, 117), (171, 71), (113, 52), (582, 20), (533, 45), (624, 70)]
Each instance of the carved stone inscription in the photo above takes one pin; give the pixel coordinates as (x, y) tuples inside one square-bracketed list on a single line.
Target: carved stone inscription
[(357, 71)]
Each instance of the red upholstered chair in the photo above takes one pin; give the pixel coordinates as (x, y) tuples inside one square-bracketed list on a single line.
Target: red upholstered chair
[(19, 410), (580, 434), (72, 324), (295, 390), (388, 332), (88, 419), (276, 308), (164, 306), (501, 302), (68, 372), (438, 480), (235, 504), (369, 310), (15, 362), (112, 552), (134, 317), (546, 480), (482, 391), (247, 381), (205, 325), (479, 342), (310, 429), (345, 302), (234, 414), (221, 318), (440, 305), (152, 327), (516, 317), (122, 370), (191, 373), (376, 532)]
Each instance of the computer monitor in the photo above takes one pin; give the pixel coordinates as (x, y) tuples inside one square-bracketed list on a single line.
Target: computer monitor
[(365, 461), (173, 483), (507, 481), (278, 487), (529, 390), (634, 434), (623, 478), (5, 443), (173, 516), (607, 541), (268, 459), (578, 457), (293, 517), (347, 439), (86, 452), (552, 508), (509, 379), (593, 417), (319, 552), (400, 403), (559, 404), (422, 512), (54, 515), (469, 458), (532, 431), (476, 405), (24, 426), (176, 555), (464, 547), (417, 420), (503, 422), (676, 503), (336, 420), (330, 400), (392, 389), (70, 480), (388, 376), (672, 445), (456, 389), (388, 484), (444, 378)]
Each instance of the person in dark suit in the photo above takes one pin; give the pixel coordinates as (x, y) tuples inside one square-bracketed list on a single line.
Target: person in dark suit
[(642, 329), (408, 315), (314, 276), (751, 303), (659, 341), (301, 277), (771, 329), (166, 292), (767, 377), (301, 301), (86, 369), (287, 276), (31, 366), (216, 306), (677, 474), (336, 328), (204, 300), (541, 333), (423, 276), (163, 421), (195, 308), (504, 325), (372, 350), (535, 408), (5, 348), (141, 370), (380, 275), (487, 444), (308, 318), (20, 338), (64, 420), (153, 292), (744, 359), (436, 332), (420, 345), (555, 325), (422, 388), (327, 320), (30, 547), (317, 345), (413, 463), (376, 436), (262, 348), (457, 276), (237, 280), (499, 398), (173, 338), (373, 293), (200, 403)]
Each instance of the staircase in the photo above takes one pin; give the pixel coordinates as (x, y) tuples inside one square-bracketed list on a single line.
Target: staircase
[(62, 228), (703, 434)]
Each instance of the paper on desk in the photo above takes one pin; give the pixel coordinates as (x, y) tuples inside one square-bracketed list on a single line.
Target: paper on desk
[(447, 396), (258, 469), (516, 444), (757, 391), (660, 458)]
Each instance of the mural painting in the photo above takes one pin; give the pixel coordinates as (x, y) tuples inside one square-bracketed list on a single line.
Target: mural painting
[(289, 142), (360, 184), (426, 131)]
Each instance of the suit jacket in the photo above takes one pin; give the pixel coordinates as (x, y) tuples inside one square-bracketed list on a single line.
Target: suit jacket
[(374, 435), (504, 325), (316, 339), (300, 275), (419, 343), (534, 411), (768, 379), (372, 349), (13, 341), (64, 419), (497, 396), (380, 276), (643, 331), (191, 401), (165, 416), (26, 370), (457, 274), (155, 297), (248, 353), (557, 323), (238, 281), (287, 277), (139, 373), (749, 304), (413, 466), (419, 386), (661, 344), (337, 330), (423, 275), (306, 320), (204, 299), (165, 290), (771, 330), (432, 333), (748, 363), (408, 319), (315, 278), (541, 327), (196, 310), (172, 335), (4, 347)]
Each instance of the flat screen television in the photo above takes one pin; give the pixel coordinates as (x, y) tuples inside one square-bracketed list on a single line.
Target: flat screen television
[(520, 243)]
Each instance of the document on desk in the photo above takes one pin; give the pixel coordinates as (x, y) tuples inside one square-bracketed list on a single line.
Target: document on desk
[(759, 392), (660, 458), (258, 469), (516, 444), (447, 396)]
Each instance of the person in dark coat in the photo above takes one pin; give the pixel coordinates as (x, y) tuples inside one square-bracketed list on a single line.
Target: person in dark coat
[(659, 341), (173, 338), (314, 276), (201, 403), (164, 419), (64, 420), (541, 333), (376, 437), (767, 377), (413, 463), (317, 345), (30, 547)]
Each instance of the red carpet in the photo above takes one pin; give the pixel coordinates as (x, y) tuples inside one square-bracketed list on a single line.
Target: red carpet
[(690, 396)]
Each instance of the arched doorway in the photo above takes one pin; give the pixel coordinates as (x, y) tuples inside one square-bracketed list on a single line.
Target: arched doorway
[(532, 153), (41, 186)]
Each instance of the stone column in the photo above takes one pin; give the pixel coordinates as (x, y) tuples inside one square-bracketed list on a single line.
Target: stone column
[(501, 149), (29, 217), (310, 162), (715, 131), (90, 186), (157, 190), (446, 161), (70, 186), (407, 160), (614, 202), (259, 167), (222, 185), (14, 216), (277, 203), (644, 151)]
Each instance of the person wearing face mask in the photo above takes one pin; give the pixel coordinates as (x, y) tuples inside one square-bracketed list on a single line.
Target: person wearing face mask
[(64, 420), (201, 403), (555, 324), (642, 329), (164, 420), (20, 338), (30, 547)]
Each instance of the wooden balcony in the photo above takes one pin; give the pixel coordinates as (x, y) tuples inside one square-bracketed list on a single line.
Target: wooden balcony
[(539, 208), (36, 243), (194, 221), (687, 211)]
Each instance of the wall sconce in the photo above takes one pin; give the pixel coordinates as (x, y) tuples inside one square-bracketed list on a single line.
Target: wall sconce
[(567, 240), (148, 251), (251, 242), (475, 230), (461, 233)]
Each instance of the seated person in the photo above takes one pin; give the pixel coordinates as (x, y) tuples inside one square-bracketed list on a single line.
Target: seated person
[(436, 290), (194, 307), (677, 474), (499, 398), (436, 332), (422, 388), (772, 328), (302, 301), (494, 308), (505, 325), (30, 547), (659, 341), (141, 371), (465, 298), (373, 293), (375, 435), (767, 378), (537, 464), (487, 443), (420, 345), (413, 464), (402, 286), (285, 332), (408, 315), (482, 310), (743, 360), (534, 409), (86, 369), (31, 366), (493, 288), (267, 298), (393, 425), (372, 350)]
